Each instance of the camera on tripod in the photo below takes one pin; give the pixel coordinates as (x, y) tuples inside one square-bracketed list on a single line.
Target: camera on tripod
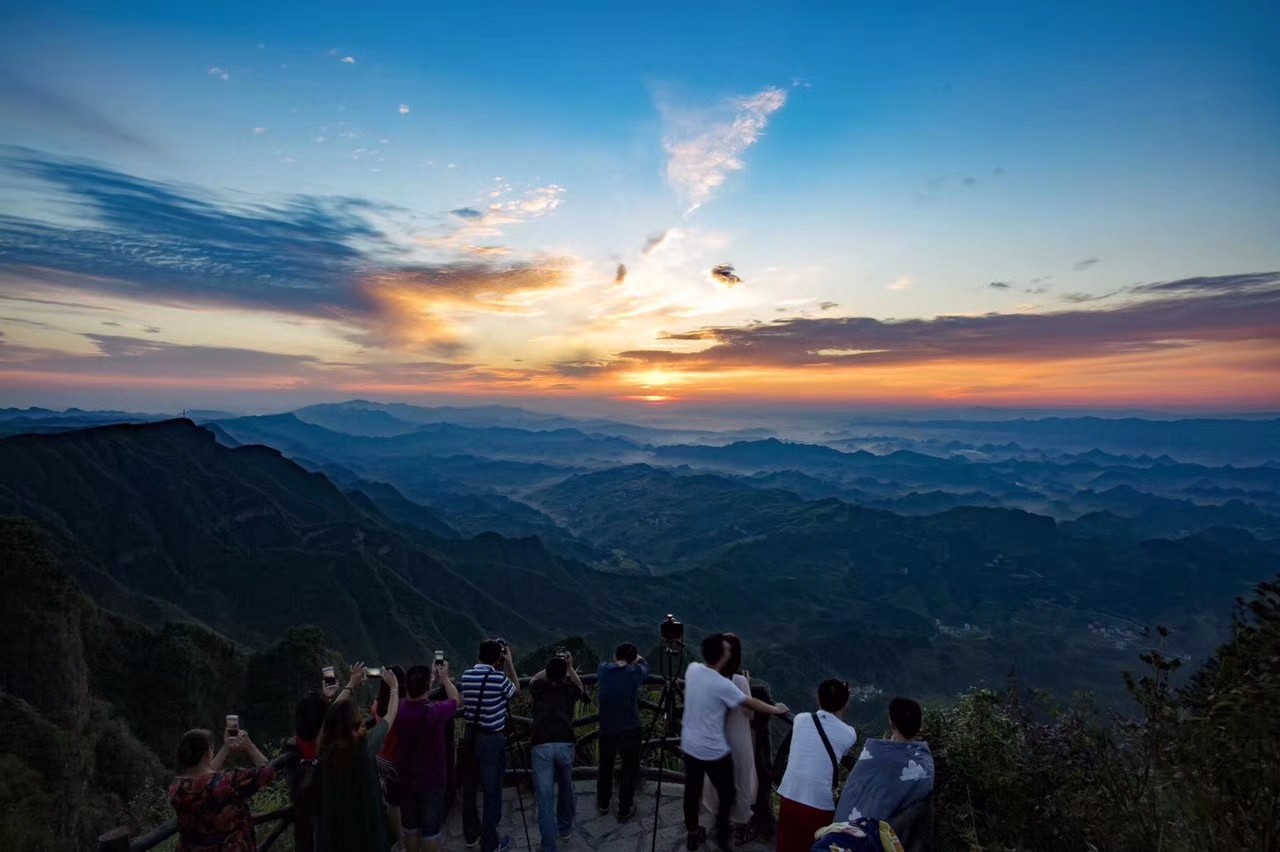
[(672, 633)]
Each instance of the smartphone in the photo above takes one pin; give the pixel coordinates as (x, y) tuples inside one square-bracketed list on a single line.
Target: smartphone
[(373, 671), (439, 658), (233, 726), (329, 675)]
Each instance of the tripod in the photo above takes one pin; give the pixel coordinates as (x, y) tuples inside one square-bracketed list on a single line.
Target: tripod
[(672, 655), (528, 762)]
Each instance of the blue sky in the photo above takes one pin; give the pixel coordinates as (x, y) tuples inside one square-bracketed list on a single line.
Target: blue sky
[(889, 161)]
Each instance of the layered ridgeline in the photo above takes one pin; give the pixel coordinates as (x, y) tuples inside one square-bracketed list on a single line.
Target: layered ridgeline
[(163, 523)]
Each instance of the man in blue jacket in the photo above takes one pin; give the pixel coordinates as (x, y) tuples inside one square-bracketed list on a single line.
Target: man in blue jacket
[(620, 729)]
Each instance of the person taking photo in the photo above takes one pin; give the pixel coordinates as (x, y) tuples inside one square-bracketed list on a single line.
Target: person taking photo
[(421, 754), (352, 818), (620, 729), (556, 690), (213, 805), (482, 755)]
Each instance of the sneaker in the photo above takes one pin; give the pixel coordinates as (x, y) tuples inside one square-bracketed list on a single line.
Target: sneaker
[(472, 844), (603, 809), (695, 839), (626, 814), (565, 835), (504, 844)]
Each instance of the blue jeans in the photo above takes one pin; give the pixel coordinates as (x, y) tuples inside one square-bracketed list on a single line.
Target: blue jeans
[(484, 768), (552, 771)]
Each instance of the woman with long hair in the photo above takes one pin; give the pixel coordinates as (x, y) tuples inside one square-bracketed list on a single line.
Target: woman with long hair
[(737, 730), (388, 776), (213, 805), (352, 818)]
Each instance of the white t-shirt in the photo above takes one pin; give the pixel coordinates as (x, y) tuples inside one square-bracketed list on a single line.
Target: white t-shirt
[(808, 776), (708, 696)]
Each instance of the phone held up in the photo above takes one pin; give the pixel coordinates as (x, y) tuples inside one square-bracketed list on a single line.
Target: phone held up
[(329, 675), (439, 658), (233, 726), (373, 671)]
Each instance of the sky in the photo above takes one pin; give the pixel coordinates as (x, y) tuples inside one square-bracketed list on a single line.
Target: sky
[(255, 205)]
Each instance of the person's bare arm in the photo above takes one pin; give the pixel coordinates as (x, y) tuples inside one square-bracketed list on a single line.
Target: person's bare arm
[(242, 743), (442, 675), (393, 704), (221, 757), (508, 663), (573, 673), (758, 706)]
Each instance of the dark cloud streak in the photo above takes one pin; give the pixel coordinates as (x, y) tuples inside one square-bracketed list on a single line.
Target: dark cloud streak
[(1223, 312)]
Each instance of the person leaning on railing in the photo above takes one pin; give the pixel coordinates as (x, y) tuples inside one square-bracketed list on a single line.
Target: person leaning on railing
[(819, 741), (708, 696), (213, 805)]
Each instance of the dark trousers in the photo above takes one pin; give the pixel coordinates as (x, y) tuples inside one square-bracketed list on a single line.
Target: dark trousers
[(721, 774), (626, 744), (483, 767)]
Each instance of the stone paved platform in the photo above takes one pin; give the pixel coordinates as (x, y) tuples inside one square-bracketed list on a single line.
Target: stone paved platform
[(595, 832)]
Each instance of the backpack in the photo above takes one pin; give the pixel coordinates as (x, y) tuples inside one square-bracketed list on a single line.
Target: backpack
[(859, 835)]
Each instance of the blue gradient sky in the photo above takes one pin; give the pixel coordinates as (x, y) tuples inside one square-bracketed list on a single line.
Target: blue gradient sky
[(923, 152)]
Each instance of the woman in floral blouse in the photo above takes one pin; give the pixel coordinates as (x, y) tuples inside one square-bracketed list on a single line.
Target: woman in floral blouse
[(212, 804)]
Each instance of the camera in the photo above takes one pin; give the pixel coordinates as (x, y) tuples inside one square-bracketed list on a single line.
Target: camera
[(672, 631), (373, 671), (439, 658)]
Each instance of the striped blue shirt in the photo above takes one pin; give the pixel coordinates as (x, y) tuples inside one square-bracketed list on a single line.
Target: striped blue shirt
[(497, 692)]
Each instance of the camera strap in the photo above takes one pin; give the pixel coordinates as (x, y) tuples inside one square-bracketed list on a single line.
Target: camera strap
[(831, 753), (475, 723)]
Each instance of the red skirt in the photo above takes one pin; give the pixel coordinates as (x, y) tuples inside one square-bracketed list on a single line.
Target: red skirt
[(798, 823)]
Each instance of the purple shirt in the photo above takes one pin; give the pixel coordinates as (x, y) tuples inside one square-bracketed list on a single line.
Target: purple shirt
[(420, 747)]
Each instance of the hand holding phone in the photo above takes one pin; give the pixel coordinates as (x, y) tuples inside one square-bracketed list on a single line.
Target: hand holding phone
[(233, 727)]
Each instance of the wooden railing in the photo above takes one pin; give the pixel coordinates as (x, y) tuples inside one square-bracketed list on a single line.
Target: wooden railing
[(281, 819)]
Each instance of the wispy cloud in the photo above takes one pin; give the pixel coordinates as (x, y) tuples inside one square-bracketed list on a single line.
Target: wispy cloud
[(40, 103), (474, 228), (703, 150), (333, 258), (1087, 263)]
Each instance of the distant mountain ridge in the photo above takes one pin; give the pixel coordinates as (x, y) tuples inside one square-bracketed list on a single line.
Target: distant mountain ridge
[(162, 522)]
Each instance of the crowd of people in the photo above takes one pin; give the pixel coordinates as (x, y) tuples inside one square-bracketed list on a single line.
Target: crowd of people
[(385, 778)]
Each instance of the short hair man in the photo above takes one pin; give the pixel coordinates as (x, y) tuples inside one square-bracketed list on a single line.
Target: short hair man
[(422, 756), (556, 691), (892, 775), (620, 728), (708, 696), (486, 694), (807, 791)]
